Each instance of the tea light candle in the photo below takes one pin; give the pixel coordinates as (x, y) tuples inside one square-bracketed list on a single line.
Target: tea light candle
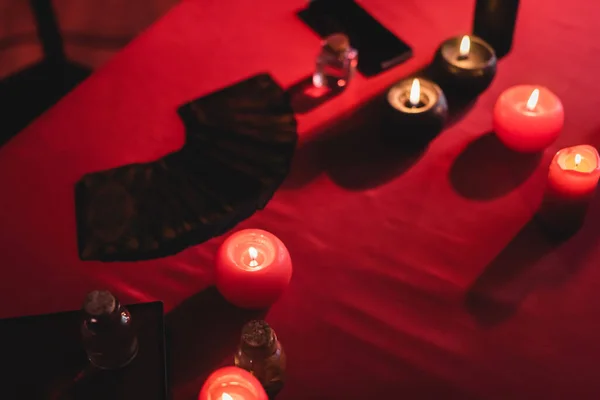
[(572, 180), (232, 383), (528, 118), (417, 108), (253, 268), (574, 173), (465, 65)]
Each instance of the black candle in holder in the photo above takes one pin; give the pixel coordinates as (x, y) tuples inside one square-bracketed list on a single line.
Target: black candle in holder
[(416, 110), (465, 65)]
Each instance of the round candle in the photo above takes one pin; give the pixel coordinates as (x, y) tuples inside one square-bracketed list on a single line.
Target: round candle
[(465, 65), (572, 180), (232, 383), (574, 173), (528, 118), (417, 108), (253, 268)]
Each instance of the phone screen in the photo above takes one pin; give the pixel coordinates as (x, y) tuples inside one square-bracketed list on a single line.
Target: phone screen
[(378, 48)]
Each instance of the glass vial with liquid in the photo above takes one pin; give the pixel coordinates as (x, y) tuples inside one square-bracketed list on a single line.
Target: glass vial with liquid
[(261, 353), (336, 63), (107, 331)]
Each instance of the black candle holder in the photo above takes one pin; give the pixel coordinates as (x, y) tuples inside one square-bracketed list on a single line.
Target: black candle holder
[(414, 123), (464, 76)]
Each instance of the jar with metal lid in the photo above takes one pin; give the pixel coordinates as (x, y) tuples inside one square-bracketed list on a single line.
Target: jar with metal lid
[(107, 331)]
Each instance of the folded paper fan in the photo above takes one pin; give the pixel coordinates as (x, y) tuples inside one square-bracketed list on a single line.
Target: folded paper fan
[(255, 111), (111, 209), (239, 145), (249, 129)]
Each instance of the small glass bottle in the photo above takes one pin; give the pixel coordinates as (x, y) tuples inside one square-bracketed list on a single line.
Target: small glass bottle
[(336, 62), (261, 354), (107, 331)]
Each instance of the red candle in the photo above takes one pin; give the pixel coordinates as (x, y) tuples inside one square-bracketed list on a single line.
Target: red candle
[(574, 173), (232, 383), (572, 180), (253, 267), (528, 118)]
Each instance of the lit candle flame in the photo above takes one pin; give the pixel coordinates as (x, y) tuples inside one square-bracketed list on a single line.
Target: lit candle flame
[(577, 160), (533, 100), (415, 93), (465, 47), (253, 253), (226, 396)]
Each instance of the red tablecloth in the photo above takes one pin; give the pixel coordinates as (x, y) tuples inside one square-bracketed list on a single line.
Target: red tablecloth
[(389, 250)]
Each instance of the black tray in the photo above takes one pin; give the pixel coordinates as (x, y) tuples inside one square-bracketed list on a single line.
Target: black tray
[(42, 358)]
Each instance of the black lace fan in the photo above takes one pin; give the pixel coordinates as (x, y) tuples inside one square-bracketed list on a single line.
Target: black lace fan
[(238, 150)]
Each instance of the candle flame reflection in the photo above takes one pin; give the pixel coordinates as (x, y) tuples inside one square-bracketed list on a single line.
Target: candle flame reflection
[(253, 253), (415, 93), (577, 160), (226, 396), (465, 46), (533, 100)]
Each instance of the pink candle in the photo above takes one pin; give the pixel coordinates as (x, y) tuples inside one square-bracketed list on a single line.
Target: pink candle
[(232, 383), (574, 173), (528, 118), (572, 180), (253, 267)]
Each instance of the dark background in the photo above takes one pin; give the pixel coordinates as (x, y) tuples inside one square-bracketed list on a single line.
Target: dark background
[(47, 47)]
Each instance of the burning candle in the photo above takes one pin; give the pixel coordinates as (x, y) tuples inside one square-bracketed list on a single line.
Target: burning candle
[(417, 110), (465, 65), (572, 180), (528, 118), (253, 268), (232, 383), (574, 173)]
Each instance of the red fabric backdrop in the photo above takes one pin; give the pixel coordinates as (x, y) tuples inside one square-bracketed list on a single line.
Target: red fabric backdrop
[(389, 250)]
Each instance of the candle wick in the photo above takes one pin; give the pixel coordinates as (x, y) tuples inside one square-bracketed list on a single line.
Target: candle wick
[(253, 253), (577, 160), (464, 48), (533, 100), (415, 93)]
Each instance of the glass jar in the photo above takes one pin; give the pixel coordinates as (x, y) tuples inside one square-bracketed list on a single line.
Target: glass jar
[(107, 331), (336, 63), (261, 353)]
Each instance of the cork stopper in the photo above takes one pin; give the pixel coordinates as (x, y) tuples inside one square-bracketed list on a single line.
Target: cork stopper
[(257, 334), (338, 42), (99, 302)]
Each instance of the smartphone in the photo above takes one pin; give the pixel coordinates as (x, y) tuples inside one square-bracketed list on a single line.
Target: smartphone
[(378, 48)]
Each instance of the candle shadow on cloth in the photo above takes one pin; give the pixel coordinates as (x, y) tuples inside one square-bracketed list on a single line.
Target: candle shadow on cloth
[(487, 169), (458, 108), (353, 152), (305, 96), (531, 260), (360, 159), (203, 331), (459, 104)]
